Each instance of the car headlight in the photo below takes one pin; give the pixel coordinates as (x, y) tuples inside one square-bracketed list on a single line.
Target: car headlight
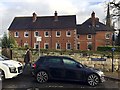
[(11, 68), (100, 73), (9, 65)]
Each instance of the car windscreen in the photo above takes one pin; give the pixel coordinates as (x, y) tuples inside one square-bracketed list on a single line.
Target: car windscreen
[(3, 58)]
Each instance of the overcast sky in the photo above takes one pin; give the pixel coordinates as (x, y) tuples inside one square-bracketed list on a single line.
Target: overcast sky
[(81, 8)]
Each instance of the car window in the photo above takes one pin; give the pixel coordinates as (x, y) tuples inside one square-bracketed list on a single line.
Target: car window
[(54, 61), (3, 58), (68, 62)]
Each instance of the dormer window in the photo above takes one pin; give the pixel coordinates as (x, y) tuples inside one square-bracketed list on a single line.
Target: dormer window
[(97, 26), (89, 26)]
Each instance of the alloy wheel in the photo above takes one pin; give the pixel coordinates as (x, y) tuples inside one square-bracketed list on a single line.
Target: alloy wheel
[(42, 77), (93, 80)]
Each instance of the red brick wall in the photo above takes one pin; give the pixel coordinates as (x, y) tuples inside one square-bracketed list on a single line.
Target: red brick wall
[(83, 41), (52, 39)]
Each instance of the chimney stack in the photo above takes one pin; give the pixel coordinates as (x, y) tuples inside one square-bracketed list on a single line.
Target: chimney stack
[(34, 17), (93, 18), (56, 16)]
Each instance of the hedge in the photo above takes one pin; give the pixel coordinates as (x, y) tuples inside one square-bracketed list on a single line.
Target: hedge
[(108, 48)]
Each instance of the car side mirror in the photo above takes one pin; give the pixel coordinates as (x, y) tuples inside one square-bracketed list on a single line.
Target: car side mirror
[(79, 66)]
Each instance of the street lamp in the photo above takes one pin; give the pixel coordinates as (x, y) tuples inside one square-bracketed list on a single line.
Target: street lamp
[(39, 39)]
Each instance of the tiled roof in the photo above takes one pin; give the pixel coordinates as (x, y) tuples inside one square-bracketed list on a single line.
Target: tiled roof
[(45, 22), (87, 28)]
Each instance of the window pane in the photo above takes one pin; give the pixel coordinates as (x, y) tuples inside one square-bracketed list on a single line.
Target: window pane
[(57, 46), (68, 46), (68, 62), (54, 61), (58, 33)]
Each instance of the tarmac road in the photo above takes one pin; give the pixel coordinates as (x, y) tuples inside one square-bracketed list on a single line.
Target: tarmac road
[(26, 80)]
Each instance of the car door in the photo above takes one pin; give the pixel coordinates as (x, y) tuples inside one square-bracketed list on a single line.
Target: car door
[(72, 69), (55, 67)]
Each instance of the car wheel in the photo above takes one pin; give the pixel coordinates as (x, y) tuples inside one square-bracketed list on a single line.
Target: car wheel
[(42, 77), (2, 75), (93, 80)]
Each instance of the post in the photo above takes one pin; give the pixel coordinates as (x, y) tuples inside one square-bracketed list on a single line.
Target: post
[(39, 40), (113, 49), (112, 61)]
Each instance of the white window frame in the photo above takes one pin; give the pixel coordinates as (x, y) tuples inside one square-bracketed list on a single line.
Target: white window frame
[(88, 36), (35, 44), (16, 34), (106, 36), (26, 33), (45, 45), (77, 46), (26, 44), (78, 36), (45, 34), (58, 35), (67, 34), (88, 43), (35, 34), (56, 46), (67, 46)]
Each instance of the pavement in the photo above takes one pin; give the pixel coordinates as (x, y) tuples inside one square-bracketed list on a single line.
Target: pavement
[(112, 75)]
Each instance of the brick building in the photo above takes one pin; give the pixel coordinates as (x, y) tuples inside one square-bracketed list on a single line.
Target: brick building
[(60, 32), (57, 32)]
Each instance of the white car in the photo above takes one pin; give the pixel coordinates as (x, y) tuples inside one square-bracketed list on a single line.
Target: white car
[(9, 68)]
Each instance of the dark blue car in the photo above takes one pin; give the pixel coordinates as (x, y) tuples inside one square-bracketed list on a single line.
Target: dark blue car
[(65, 68)]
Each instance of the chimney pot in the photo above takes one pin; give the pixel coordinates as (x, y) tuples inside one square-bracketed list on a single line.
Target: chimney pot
[(56, 16), (34, 17)]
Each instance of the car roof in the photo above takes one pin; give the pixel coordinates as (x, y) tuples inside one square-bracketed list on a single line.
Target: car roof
[(57, 56)]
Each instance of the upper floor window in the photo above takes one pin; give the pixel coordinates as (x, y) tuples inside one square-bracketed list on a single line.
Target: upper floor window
[(16, 34), (107, 35), (68, 33), (58, 33), (46, 34), (89, 36), (58, 46), (97, 26), (36, 34), (26, 34)]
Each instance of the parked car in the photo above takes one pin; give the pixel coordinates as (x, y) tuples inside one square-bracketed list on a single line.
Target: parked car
[(65, 68), (9, 68)]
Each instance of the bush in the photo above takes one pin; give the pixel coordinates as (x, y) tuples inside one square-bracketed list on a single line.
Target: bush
[(108, 48)]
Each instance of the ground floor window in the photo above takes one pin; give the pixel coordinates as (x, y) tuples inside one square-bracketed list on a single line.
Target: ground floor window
[(89, 46), (36, 45), (25, 44), (78, 46), (58, 46), (46, 45), (68, 46)]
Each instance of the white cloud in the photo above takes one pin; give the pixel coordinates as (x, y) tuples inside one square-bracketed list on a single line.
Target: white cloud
[(81, 8)]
